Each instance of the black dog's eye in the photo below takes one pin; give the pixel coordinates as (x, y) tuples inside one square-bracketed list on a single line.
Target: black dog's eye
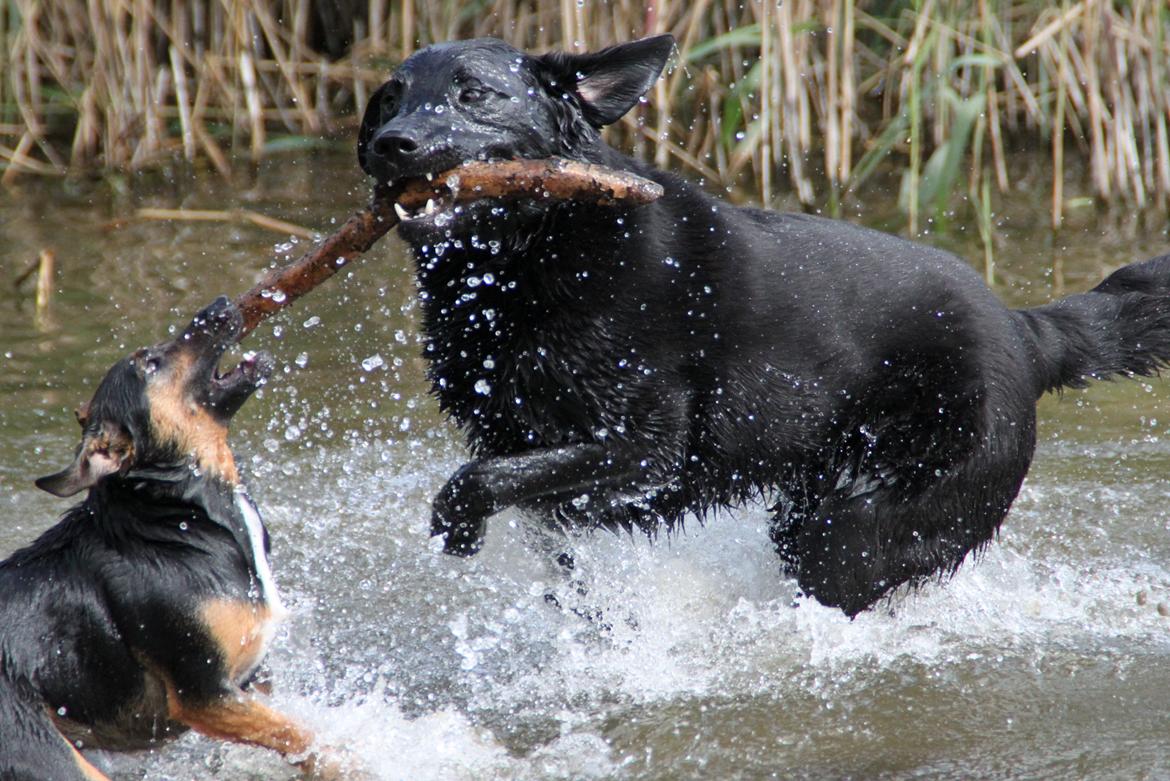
[(388, 101), (472, 95), (388, 108)]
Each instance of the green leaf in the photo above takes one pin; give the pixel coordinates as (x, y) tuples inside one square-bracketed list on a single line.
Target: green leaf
[(748, 35), (991, 60), (885, 142), (941, 173), (732, 118), (299, 143)]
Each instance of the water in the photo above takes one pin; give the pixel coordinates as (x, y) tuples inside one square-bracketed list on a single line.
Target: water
[(1047, 658)]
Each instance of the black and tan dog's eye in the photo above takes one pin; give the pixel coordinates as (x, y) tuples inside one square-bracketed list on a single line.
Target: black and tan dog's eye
[(145, 362)]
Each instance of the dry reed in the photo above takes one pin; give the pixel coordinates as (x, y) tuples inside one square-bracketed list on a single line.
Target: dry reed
[(820, 93)]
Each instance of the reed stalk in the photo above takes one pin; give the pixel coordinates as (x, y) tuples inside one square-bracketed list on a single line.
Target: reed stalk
[(807, 97)]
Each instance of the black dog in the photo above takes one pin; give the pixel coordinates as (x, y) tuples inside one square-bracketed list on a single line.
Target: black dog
[(623, 367), (148, 607)]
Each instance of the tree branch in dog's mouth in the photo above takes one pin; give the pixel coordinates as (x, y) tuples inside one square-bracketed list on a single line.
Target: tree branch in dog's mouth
[(556, 179)]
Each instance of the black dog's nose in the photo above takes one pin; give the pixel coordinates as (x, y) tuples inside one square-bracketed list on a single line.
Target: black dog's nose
[(394, 145)]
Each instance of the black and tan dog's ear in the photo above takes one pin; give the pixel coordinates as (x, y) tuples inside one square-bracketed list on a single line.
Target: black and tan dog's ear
[(106, 452), (373, 119), (610, 82)]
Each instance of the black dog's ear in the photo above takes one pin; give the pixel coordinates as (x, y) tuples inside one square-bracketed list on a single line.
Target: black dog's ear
[(104, 453), (371, 121), (610, 82)]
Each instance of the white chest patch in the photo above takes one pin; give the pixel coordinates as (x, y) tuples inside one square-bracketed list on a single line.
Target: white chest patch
[(259, 557)]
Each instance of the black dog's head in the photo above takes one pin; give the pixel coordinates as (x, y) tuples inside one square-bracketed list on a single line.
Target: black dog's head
[(165, 404), (482, 99)]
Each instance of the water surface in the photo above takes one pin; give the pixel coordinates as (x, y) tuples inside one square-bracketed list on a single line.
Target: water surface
[(1047, 658)]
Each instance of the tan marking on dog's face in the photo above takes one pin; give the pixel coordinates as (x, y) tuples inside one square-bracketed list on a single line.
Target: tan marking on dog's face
[(178, 420), (241, 630)]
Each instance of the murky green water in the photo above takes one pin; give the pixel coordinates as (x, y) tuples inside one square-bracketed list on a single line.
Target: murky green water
[(1039, 661)]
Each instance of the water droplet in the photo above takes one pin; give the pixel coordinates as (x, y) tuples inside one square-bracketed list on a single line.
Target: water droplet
[(373, 362), (483, 387)]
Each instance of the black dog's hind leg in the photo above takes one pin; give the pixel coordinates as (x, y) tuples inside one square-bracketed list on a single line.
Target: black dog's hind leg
[(861, 544), (481, 488)]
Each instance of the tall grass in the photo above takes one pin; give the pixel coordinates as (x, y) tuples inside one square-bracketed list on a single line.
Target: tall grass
[(813, 96)]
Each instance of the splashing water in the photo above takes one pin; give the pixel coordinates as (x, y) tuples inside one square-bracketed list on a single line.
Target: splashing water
[(688, 657)]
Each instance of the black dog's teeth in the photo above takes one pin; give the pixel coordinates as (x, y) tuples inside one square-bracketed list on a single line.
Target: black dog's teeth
[(431, 208)]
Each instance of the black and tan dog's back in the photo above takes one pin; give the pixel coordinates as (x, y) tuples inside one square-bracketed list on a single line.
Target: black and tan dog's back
[(147, 609)]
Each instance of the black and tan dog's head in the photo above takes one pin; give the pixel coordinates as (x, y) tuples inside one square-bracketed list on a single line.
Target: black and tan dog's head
[(482, 99), (166, 404)]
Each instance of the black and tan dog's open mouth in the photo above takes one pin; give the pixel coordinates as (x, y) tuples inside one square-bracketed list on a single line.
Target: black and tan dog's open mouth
[(253, 369), (227, 392)]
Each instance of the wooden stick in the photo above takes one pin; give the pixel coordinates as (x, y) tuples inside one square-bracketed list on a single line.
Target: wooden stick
[(555, 179), (562, 180)]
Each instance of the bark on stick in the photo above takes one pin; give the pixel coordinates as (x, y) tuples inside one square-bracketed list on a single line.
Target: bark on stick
[(554, 178)]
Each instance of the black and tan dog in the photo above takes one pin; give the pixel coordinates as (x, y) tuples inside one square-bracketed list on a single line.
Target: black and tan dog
[(148, 608)]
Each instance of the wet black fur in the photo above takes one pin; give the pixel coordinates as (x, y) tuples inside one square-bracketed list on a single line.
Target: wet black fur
[(108, 598), (689, 355)]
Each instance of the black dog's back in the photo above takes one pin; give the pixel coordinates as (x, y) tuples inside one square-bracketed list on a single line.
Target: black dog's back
[(626, 366), (872, 387)]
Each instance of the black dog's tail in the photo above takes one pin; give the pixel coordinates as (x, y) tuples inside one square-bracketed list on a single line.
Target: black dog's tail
[(1120, 327)]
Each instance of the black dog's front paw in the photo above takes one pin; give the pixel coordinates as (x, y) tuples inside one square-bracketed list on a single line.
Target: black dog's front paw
[(460, 511), (460, 537)]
